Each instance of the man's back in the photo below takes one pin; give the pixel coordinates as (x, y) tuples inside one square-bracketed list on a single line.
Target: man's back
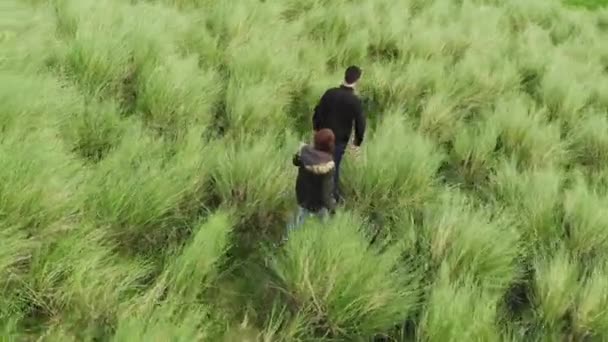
[(337, 110)]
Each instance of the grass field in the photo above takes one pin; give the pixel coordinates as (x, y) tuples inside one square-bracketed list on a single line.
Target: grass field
[(145, 151)]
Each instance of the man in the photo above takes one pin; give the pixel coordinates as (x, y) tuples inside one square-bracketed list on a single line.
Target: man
[(314, 185), (338, 109)]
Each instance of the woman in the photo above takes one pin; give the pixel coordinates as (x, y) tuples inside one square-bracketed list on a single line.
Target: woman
[(315, 182)]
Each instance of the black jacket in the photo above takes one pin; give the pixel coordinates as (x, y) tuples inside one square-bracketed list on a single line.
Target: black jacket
[(315, 182), (337, 110)]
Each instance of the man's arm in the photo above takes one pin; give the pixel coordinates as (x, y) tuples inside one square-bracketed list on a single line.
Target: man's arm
[(359, 123), (328, 186), (318, 117)]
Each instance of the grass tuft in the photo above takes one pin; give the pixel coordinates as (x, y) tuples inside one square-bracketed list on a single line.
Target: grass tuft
[(389, 179), (459, 309), (473, 242), (555, 287), (346, 287)]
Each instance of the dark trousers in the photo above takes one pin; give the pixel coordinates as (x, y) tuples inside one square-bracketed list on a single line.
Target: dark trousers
[(338, 154)]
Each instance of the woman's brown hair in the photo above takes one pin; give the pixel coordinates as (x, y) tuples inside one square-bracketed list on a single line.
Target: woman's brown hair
[(325, 140)]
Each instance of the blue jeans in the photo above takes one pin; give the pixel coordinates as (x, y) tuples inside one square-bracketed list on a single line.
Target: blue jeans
[(302, 215), (338, 154)]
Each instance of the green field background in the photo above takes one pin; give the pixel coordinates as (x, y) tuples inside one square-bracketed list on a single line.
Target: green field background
[(146, 177), (589, 4)]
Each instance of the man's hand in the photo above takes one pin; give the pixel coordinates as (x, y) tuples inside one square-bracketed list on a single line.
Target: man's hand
[(356, 151)]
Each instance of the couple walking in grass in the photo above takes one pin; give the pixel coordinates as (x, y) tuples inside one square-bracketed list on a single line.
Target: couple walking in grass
[(318, 182)]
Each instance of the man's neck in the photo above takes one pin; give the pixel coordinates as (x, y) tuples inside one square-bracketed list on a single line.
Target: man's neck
[(348, 85)]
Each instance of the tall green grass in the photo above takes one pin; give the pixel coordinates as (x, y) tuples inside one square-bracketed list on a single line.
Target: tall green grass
[(396, 170), (255, 175), (589, 318), (472, 242), (39, 181), (459, 309), (141, 189), (555, 287), (534, 196), (146, 175), (173, 308), (586, 222), (345, 287)]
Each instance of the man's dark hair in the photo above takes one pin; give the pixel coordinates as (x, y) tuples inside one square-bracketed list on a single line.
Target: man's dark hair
[(352, 74), (325, 140)]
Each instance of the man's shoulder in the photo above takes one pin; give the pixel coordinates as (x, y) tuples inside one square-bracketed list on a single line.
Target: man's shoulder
[(341, 92), (351, 97), (342, 95), (329, 94), (332, 90)]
